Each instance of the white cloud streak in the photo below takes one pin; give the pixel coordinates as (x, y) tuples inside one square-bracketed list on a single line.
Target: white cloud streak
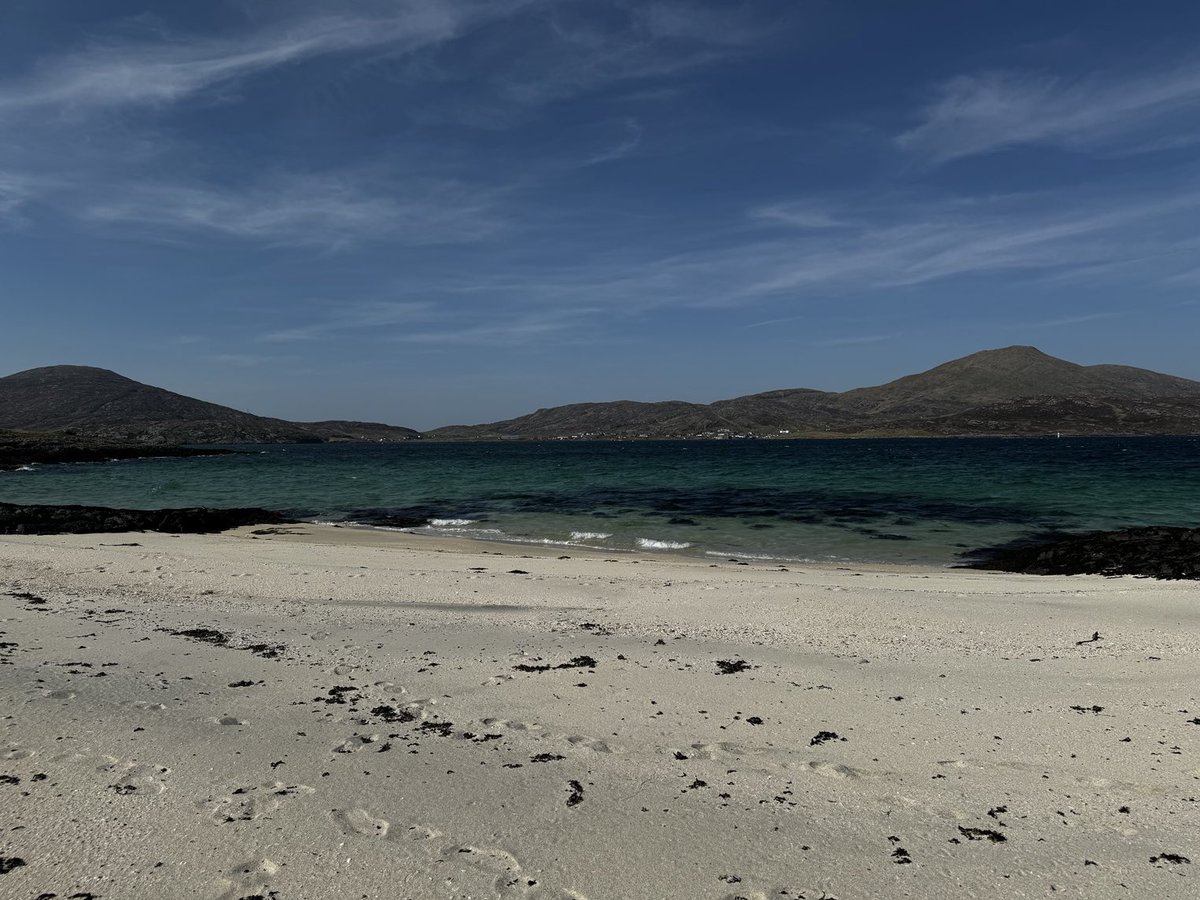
[(877, 248), (328, 211), (922, 243), (796, 215), (633, 137), (355, 317), (1062, 321), (111, 74), (14, 192), (425, 323), (978, 114), (857, 339), (90, 115)]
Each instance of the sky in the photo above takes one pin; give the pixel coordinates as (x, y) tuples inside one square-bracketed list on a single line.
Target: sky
[(428, 212)]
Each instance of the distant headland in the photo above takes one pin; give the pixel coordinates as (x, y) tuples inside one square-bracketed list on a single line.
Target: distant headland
[(1013, 391)]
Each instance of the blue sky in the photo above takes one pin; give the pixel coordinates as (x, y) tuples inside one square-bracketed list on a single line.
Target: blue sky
[(437, 211)]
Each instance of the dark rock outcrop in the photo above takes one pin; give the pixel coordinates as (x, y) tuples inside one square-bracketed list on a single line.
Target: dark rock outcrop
[(33, 519), (1152, 552), (23, 449)]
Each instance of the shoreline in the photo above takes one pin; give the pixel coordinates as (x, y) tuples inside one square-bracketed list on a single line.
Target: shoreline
[(344, 712), (351, 535)]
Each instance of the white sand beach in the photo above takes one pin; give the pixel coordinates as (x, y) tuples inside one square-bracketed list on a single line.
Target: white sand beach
[(373, 715)]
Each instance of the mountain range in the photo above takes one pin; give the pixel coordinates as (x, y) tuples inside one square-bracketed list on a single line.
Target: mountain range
[(102, 405), (1010, 391)]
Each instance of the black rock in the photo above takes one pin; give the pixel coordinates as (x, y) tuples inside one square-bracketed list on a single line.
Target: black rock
[(17, 450), (1156, 551), (28, 519)]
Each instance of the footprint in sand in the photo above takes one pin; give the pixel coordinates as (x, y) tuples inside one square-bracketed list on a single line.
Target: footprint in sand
[(512, 882), (149, 705), (135, 778), (419, 833), (19, 753), (721, 750), (82, 754), (248, 878), (62, 694), (356, 743), (594, 744), (231, 720), (360, 822), (249, 804), (833, 770), (505, 724), (583, 742)]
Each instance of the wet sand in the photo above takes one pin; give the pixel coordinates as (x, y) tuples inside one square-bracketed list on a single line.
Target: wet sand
[(315, 712)]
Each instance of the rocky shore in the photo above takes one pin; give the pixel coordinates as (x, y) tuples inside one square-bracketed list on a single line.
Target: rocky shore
[(1152, 552), (18, 449), (34, 519)]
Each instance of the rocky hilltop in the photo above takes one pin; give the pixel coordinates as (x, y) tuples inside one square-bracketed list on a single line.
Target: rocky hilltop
[(100, 405), (1010, 391)]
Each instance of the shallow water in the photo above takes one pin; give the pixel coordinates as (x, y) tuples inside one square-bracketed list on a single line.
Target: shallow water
[(902, 500)]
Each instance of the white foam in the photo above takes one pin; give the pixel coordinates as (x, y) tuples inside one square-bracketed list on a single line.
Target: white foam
[(451, 523), (589, 535), (24, 468), (740, 555), (649, 544)]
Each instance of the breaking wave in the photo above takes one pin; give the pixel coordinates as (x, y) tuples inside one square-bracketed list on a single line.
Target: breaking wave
[(649, 544)]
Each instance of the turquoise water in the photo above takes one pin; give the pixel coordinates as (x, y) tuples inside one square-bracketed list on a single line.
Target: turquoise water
[(902, 500)]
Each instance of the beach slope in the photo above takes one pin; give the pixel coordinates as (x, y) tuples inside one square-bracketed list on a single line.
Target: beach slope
[(315, 712)]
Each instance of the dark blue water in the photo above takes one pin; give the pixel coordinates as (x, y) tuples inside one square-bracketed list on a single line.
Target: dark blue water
[(904, 500)]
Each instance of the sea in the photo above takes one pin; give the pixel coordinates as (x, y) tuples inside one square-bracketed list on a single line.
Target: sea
[(922, 501)]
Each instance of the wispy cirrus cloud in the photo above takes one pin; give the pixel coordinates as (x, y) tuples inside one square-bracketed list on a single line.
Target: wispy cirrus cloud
[(556, 48), (978, 114), (15, 191), (519, 330), (797, 215), (328, 210), (567, 50), (430, 324), (878, 246), (164, 69), (854, 340), (356, 317), (921, 242), (142, 169), (626, 146), (246, 360), (1063, 321)]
